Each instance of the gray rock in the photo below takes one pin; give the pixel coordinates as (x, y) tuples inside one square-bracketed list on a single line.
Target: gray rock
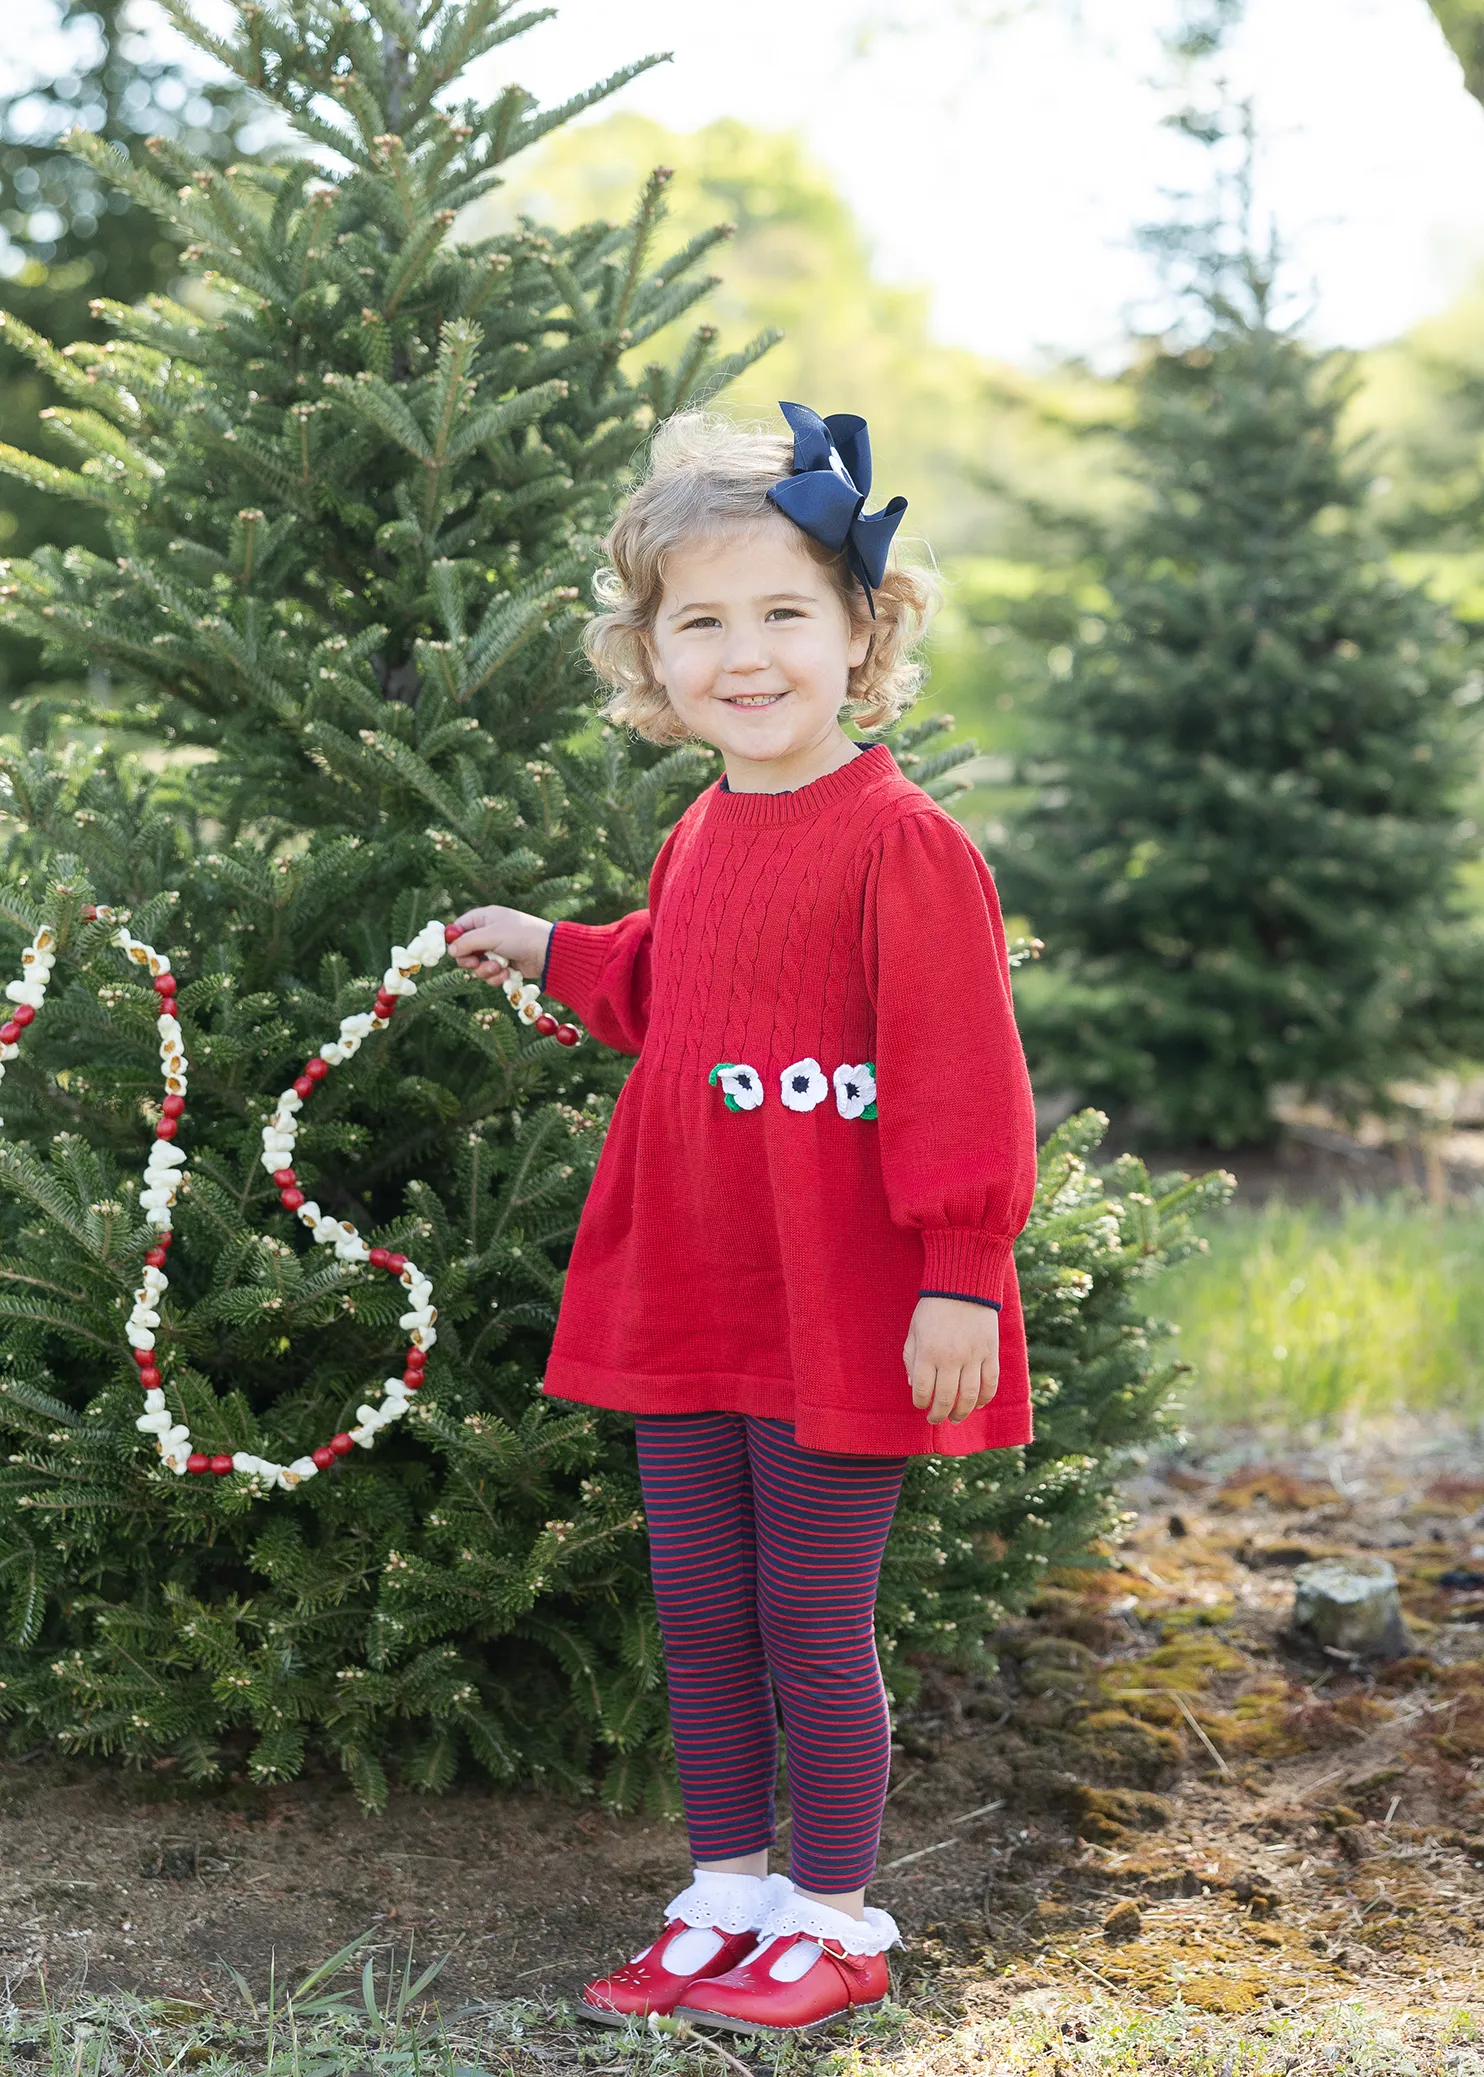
[(1352, 1604)]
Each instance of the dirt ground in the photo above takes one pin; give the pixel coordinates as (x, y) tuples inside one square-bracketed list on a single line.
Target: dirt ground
[(1160, 1791)]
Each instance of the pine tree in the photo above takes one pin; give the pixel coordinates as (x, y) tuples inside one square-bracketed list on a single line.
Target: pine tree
[(351, 503), (1244, 847)]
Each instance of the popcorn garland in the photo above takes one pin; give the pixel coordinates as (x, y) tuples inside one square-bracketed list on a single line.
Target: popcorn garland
[(165, 1172), (525, 999), (279, 1136)]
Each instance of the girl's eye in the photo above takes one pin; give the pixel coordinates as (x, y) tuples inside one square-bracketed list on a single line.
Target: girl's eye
[(701, 620), (785, 613)]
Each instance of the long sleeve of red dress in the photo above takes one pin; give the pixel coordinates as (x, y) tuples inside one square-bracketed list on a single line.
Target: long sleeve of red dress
[(957, 1124), (828, 1116)]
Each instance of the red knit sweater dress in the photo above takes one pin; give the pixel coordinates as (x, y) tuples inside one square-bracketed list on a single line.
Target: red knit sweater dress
[(758, 1230)]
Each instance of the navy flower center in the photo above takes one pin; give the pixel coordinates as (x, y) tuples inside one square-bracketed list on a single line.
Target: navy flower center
[(801, 1084), (852, 1091)]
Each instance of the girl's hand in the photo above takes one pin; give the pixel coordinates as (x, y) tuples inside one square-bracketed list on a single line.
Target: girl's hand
[(952, 1356), (496, 939)]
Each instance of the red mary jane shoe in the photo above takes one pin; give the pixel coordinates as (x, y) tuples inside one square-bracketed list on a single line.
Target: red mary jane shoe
[(646, 1985), (802, 1975), (709, 1928)]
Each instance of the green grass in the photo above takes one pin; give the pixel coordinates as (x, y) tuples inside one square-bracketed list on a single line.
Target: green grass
[(371, 2012), (1301, 1315), (1060, 2033)]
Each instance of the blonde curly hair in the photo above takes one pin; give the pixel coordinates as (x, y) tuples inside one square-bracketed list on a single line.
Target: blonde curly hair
[(706, 477)]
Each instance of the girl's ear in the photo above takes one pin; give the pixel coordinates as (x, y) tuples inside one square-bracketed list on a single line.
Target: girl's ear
[(647, 638), (860, 643)]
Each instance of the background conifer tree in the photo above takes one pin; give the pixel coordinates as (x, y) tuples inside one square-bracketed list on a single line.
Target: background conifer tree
[(1243, 849)]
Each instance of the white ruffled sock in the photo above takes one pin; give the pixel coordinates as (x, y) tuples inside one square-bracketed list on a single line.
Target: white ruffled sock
[(715, 1904), (872, 1933)]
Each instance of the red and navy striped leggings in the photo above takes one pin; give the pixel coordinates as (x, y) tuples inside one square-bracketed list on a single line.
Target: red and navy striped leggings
[(765, 1559)]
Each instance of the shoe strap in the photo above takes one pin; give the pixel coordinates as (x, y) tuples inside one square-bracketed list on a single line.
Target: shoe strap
[(852, 1964), (851, 1967)]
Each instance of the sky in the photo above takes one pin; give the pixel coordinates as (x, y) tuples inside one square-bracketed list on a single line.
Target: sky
[(1007, 164), (1001, 153)]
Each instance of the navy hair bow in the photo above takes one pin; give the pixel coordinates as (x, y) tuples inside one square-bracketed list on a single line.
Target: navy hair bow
[(826, 494)]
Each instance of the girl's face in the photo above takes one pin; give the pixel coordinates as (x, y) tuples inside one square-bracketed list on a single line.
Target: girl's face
[(753, 644)]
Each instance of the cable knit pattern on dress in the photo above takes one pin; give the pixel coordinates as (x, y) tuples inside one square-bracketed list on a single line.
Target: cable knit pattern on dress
[(766, 1260)]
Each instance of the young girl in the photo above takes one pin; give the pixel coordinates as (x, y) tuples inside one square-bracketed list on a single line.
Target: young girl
[(794, 1266)]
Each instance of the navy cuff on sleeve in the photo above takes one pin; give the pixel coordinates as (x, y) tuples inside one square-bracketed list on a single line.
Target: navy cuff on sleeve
[(992, 1303), (546, 962)]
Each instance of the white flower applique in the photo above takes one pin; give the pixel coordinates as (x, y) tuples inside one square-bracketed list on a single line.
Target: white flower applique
[(742, 1086), (803, 1085), (855, 1090)]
